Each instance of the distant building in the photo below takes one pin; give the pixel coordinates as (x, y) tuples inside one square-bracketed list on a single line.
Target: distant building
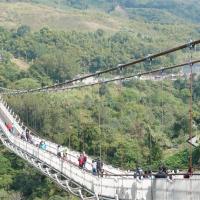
[(88, 80)]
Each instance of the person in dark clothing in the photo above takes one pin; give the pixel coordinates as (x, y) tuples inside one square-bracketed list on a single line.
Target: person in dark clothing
[(23, 137), (189, 173), (149, 173), (28, 137), (164, 169), (59, 151), (162, 173), (99, 167), (139, 172)]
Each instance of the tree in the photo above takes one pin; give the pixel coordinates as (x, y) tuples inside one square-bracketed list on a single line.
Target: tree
[(26, 83), (23, 30), (5, 172)]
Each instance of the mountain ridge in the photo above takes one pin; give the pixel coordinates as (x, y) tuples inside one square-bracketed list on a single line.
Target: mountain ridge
[(188, 10), (179, 9)]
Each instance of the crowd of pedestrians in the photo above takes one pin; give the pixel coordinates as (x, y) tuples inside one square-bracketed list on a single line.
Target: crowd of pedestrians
[(25, 135), (96, 165), (162, 172)]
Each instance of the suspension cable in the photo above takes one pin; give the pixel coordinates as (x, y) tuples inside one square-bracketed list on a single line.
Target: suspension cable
[(106, 81), (120, 66), (101, 82), (3, 88)]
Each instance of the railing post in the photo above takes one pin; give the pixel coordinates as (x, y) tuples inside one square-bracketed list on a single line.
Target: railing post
[(38, 152), (96, 196), (26, 146), (116, 197), (61, 168)]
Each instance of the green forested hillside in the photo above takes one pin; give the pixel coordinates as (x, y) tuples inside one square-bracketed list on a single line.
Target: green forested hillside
[(130, 133), (58, 56), (57, 41)]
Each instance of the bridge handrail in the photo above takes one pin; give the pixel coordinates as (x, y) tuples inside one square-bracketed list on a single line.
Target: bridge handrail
[(107, 186), (19, 129), (84, 177), (52, 147)]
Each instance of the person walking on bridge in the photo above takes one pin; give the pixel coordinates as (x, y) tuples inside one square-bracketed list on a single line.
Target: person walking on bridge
[(94, 167), (99, 167), (84, 159), (28, 136), (9, 126), (81, 161), (59, 151), (23, 135), (65, 153)]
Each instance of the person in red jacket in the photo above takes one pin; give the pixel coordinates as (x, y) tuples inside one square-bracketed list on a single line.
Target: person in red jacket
[(81, 161), (84, 159), (9, 127)]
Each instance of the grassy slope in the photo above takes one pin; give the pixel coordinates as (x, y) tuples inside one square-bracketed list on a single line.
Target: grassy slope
[(153, 36), (37, 16), (20, 63), (149, 10)]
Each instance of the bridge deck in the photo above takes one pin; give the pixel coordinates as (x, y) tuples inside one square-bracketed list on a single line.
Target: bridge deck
[(85, 185)]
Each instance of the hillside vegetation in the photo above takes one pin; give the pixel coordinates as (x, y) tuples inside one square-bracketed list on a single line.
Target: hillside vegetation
[(169, 11), (130, 132), (134, 122)]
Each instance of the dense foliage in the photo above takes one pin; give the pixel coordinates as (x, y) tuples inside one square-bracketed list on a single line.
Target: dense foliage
[(134, 122), (57, 56), (134, 126)]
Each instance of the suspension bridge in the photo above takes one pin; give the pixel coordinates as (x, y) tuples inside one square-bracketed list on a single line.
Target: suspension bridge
[(115, 183)]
